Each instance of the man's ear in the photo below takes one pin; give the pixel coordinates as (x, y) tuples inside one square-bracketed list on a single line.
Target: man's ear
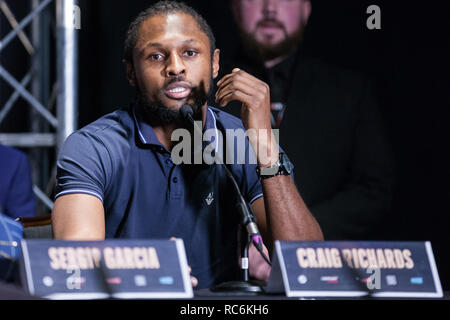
[(215, 63), (235, 10), (131, 76)]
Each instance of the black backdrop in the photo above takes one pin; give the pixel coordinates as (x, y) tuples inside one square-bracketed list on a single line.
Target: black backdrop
[(408, 59)]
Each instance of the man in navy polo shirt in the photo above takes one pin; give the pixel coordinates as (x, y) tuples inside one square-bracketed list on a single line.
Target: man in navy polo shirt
[(117, 177)]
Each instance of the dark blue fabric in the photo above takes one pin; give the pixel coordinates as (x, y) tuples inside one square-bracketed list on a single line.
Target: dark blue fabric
[(11, 233), (119, 160), (16, 188)]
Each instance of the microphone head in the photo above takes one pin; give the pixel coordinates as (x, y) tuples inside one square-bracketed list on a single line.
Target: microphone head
[(186, 112)]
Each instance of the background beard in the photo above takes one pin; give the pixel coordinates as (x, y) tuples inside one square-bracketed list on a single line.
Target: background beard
[(158, 114), (264, 53)]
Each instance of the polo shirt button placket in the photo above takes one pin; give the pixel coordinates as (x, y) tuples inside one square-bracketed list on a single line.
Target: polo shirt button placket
[(176, 189)]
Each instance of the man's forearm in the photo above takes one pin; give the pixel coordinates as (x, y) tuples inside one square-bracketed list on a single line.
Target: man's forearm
[(288, 218)]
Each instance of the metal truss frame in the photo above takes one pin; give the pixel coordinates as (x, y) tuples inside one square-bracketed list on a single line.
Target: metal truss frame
[(50, 126)]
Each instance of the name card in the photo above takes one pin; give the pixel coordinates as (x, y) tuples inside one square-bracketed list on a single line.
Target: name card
[(124, 269), (349, 269)]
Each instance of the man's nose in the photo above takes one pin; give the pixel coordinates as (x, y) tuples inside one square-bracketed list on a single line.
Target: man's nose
[(174, 66), (270, 7)]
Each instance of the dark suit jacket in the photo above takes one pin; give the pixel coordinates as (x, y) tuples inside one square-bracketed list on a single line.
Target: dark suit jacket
[(333, 133), (16, 191)]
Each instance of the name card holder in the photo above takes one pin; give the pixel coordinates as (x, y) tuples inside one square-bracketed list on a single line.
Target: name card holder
[(123, 269), (352, 269)]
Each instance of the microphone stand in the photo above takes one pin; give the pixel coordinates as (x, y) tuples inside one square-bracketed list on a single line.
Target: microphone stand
[(244, 286), (249, 230)]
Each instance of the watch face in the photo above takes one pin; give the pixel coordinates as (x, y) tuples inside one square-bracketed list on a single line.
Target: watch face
[(288, 166)]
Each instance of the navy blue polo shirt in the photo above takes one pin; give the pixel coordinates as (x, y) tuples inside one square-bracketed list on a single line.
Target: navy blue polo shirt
[(119, 160)]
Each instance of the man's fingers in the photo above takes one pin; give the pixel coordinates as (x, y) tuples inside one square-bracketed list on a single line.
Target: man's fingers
[(258, 267), (235, 95), (242, 78), (194, 281), (235, 87), (224, 78), (247, 84), (238, 84), (235, 70), (238, 72)]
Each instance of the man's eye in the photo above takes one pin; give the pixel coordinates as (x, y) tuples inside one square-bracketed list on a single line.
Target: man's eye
[(190, 53), (155, 56)]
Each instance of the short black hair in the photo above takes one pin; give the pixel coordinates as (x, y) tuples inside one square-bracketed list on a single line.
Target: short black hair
[(163, 8)]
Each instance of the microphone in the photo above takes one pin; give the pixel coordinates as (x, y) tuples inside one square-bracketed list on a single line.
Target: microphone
[(248, 218), (186, 113)]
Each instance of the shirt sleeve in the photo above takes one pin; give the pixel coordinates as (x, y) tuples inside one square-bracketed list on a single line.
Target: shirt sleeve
[(83, 166), (254, 189)]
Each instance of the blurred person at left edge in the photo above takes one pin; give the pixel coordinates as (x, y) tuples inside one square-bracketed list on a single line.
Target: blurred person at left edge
[(16, 187)]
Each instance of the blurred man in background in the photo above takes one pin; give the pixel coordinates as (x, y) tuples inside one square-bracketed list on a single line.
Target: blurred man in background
[(328, 119)]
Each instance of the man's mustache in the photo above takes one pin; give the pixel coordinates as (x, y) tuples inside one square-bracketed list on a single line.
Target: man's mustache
[(275, 22), (199, 93), (176, 79)]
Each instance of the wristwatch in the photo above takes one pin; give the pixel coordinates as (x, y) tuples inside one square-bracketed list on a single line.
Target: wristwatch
[(283, 167)]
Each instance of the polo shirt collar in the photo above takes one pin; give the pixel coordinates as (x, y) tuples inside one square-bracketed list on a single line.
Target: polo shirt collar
[(145, 131), (147, 135)]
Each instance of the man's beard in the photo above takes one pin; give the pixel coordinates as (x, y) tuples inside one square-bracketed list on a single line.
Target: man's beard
[(263, 52), (158, 114)]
